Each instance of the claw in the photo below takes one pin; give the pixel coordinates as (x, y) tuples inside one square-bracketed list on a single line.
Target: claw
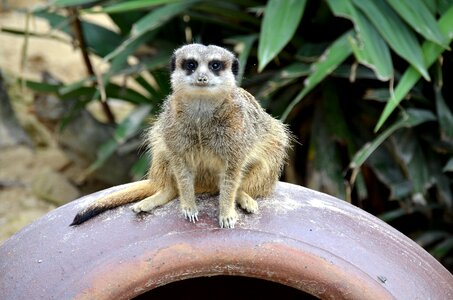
[(227, 222), (191, 216)]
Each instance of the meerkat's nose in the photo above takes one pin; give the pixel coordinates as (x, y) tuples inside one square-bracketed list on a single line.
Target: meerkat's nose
[(202, 79)]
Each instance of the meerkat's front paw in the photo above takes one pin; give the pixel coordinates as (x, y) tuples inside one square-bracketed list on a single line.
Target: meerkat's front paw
[(247, 203), (190, 213), (228, 220)]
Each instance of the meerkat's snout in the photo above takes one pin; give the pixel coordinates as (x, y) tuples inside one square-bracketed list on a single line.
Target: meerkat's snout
[(202, 79)]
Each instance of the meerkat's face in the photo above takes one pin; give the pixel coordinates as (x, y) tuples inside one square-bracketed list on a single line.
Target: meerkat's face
[(199, 69)]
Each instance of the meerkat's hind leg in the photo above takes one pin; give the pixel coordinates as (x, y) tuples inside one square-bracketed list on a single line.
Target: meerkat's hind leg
[(158, 199), (247, 203)]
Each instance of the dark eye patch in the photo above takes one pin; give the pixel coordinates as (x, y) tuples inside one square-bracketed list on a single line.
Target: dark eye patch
[(190, 65), (216, 66)]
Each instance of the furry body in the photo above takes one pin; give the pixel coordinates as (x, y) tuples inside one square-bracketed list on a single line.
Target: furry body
[(211, 137)]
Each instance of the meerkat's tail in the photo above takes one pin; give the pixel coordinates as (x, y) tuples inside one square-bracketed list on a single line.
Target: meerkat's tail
[(136, 191)]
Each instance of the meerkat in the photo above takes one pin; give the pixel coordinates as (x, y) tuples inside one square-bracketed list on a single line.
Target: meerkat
[(210, 137)]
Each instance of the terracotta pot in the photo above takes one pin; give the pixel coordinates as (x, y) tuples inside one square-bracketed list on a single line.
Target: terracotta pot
[(301, 241)]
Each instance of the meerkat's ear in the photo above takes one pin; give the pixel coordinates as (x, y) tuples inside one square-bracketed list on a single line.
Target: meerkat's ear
[(235, 67), (173, 63)]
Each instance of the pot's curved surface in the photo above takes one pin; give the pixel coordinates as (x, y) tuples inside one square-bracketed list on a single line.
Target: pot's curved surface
[(300, 238)]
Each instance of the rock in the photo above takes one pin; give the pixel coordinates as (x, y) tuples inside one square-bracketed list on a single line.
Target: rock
[(52, 157), (53, 187), (13, 223)]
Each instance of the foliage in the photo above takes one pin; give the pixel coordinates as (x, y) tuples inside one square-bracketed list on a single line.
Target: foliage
[(327, 68)]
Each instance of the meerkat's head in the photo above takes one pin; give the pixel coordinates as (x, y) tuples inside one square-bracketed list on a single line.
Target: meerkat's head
[(200, 69)]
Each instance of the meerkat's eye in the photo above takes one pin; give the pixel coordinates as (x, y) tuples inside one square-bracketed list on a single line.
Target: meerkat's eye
[(216, 65), (190, 65)]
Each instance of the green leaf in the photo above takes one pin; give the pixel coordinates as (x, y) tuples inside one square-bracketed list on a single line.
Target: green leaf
[(427, 238), (443, 189), (159, 16), (449, 166), (310, 52), (144, 83), (43, 86), (443, 6), (399, 37), (158, 61), (443, 248), (414, 160), (374, 53), (389, 173), (393, 215), (127, 94), (243, 47), (370, 49), (129, 6), (341, 8), (353, 72), (381, 95), (410, 118), (34, 34), (228, 12), (325, 171), (68, 88), (335, 120), (123, 132), (163, 82), (125, 21), (417, 14), (67, 3), (99, 40), (440, 178), (83, 94), (295, 70), (431, 52), (142, 31), (131, 124), (283, 78), (147, 24), (214, 19), (281, 19), (445, 116), (431, 6), (402, 212), (119, 58), (338, 51)]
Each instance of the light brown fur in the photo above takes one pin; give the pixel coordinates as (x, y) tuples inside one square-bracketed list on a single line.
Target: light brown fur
[(211, 137)]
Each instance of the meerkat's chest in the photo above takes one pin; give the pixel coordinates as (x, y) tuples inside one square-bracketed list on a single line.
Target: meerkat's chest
[(208, 133), (203, 137), (200, 127), (202, 122)]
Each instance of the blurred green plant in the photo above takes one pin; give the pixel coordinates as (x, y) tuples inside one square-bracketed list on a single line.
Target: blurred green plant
[(337, 71)]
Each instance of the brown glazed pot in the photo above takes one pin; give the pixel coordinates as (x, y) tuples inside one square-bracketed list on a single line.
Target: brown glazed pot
[(301, 242)]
